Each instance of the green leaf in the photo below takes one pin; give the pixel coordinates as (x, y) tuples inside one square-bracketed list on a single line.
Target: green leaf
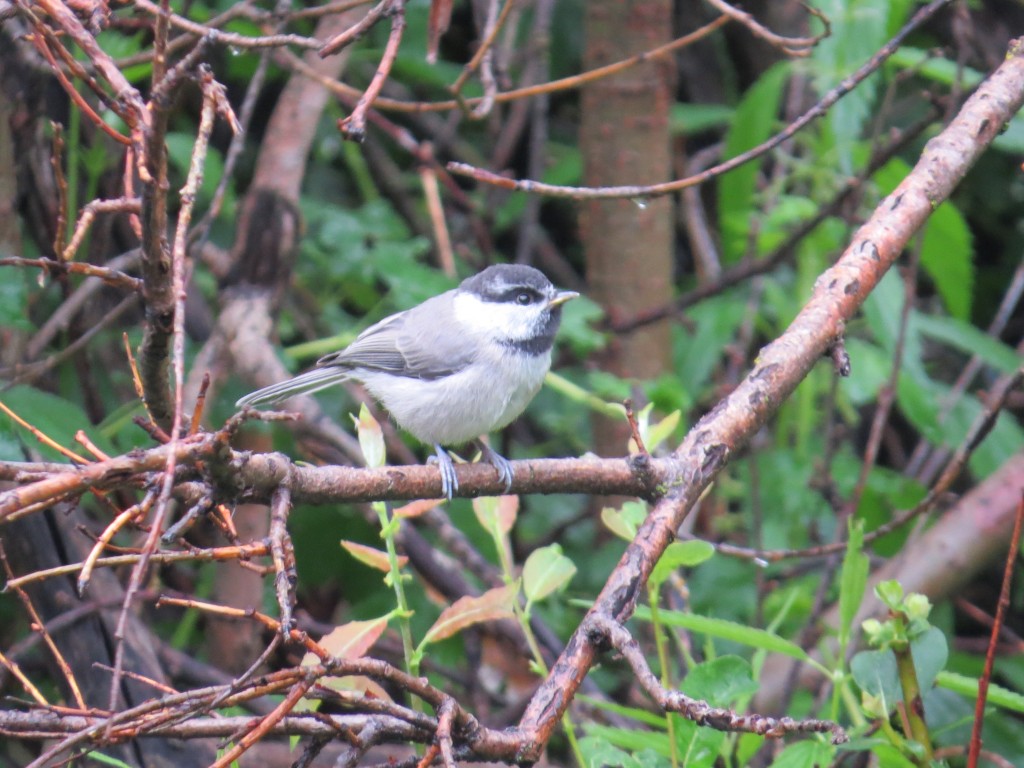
[(947, 250), (753, 123), (871, 367), (10, 448), (698, 353), (633, 713), (600, 751), (103, 759), (930, 652), (944, 71), (371, 438), (680, 554), (720, 682), (14, 301), (947, 255), (875, 673), (858, 29), (747, 746), (635, 741), (55, 417), (852, 581), (787, 212), (890, 592), (968, 686), (1012, 137), (496, 514), (970, 340), (492, 605), (805, 754), (728, 630), (350, 641), (697, 747), (656, 434), (916, 400), (625, 521), (889, 756), (546, 570), (374, 558), (690, 119), (883, 311), (580, 322)]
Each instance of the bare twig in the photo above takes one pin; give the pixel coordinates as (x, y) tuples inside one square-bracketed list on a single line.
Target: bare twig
[(228, 38), (283, 555), (380, 11), (602, 628), (354, 126), (1003, 604), (647, 191), (981, 426), (242, 552), (109, 275), (794, 46), (491, 29), (838, 294), (504, 97)]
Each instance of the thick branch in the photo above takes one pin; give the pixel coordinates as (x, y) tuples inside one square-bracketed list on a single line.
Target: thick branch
[(253, 477), (838, 294)]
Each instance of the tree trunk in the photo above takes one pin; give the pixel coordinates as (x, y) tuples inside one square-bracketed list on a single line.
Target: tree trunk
[(625, 139)]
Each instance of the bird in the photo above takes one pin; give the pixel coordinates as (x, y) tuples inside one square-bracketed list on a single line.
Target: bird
[(456, 367)]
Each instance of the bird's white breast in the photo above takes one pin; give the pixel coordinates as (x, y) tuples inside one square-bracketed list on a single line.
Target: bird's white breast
[(452, 410)]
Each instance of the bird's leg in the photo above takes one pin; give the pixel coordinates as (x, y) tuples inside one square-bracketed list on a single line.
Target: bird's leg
[(500, 463), (449, 482)]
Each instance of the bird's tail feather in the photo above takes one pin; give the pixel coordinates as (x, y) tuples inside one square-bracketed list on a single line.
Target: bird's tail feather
[(303, 384)]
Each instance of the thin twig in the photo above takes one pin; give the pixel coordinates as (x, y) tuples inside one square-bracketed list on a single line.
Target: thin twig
[(484, 58), (981, 426), (357, 30), (601, 627), (212, 94), (354, 126), (490, 33), (566, 83), (794, 46), (1002, 605), (648, 191), (40, 627), (217, 554), (134, 512), (228, 38), (887, 392), (283, 554), (89, 213), (753, 267)]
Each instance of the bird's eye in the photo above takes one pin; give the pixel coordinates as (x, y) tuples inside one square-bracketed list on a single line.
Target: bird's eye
[(523, 298)]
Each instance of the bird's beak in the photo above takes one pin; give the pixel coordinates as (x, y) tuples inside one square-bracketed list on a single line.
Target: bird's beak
[(561, 297)]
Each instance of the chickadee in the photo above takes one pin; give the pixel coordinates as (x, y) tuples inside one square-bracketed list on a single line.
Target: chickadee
[(455, 367)]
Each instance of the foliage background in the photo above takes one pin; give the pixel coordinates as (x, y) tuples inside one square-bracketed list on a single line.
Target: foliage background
[(370, 245)]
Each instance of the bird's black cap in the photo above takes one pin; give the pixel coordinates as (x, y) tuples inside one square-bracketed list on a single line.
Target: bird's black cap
[(497, 282)]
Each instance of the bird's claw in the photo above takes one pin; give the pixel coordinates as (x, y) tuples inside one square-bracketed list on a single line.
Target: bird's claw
[(500, 463), (449, 480)]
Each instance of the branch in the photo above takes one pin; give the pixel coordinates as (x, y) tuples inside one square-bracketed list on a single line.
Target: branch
[(649, 191), (838, 294), (253, 477)]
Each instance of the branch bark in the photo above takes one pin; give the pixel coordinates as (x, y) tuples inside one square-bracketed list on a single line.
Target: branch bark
[(838, 294)]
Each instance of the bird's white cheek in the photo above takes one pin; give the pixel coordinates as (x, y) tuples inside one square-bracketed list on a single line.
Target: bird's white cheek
[(492, 320)]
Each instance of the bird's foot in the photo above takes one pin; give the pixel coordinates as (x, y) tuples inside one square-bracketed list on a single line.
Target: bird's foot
[(449, 481), (500, 463)]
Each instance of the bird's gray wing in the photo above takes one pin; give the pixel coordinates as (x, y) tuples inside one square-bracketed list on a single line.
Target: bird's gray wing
[(422, 343)]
